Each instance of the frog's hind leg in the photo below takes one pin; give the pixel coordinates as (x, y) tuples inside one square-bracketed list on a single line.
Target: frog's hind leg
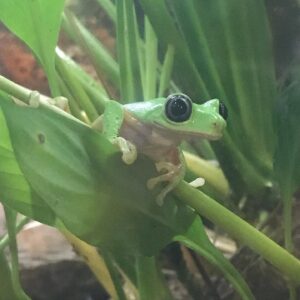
[(174, 175)]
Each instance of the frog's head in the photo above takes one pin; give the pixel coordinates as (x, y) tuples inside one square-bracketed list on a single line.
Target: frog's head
[(177, 113)]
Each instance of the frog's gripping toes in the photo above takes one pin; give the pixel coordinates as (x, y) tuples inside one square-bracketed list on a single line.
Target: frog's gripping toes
[(174, 175), (35, 99)]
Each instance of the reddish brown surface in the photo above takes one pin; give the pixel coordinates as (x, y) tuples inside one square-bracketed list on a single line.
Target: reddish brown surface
[(19, 65)]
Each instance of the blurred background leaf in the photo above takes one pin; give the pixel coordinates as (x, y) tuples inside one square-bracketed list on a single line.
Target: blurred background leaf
[(37, 23), (287, 155), (219, 54)]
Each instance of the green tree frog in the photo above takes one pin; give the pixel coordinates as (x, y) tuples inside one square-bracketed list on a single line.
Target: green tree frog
[(157, 127)]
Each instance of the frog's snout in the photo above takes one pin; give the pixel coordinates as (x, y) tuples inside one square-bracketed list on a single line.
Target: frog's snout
[(219, 126)]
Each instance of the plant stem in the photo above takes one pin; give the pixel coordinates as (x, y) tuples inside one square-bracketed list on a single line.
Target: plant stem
[(287, 222), (5, 239), (209, 172), (241, 230), (10, 217), (14, 89), (151, 284)]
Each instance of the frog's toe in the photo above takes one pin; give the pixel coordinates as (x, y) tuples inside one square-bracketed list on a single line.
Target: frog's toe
[(152, 182), (164, 165), (163, 193), (198, 182), (160, 199), (129, 152), (62, 103), (130, 156), (172, 177), (34, 99)]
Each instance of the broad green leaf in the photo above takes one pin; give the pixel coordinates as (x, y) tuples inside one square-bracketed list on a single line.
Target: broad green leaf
[(196, 239), (37, 23), (15, 190), (80, 175)]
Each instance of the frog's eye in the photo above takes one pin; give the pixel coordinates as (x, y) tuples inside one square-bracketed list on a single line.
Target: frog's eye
[(178, 107), (223, 111)]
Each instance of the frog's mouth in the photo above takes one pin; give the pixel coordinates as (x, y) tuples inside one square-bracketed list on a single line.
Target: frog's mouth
[(187, 135)]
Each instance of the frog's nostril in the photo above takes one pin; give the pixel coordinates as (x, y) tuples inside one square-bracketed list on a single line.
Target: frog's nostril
[(223, 111)]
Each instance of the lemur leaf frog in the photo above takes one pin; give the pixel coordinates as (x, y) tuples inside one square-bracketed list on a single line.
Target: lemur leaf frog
[(157, 127)]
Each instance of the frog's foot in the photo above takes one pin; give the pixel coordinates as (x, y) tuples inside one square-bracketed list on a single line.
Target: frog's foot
[(62, 103), (35, 98), (173, 175), (129, 152), (198, 182)]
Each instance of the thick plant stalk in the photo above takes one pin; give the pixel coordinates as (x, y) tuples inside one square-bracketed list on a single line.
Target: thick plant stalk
[(241, 230)]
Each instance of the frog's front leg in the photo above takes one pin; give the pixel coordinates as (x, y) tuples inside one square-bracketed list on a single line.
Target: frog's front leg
[(109, 124), (129, 152)]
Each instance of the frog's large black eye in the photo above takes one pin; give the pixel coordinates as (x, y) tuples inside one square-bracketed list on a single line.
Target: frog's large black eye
[(223, 111), (178, 107)]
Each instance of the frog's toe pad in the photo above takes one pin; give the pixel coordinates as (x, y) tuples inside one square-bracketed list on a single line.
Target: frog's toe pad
[(151, 183), (198, 182)]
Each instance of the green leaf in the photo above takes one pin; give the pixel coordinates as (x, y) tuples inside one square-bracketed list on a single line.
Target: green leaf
[(287, 155), (150, 281), (37, 23), (76, 90), (15, 190), (151, 62), (128, 52), (101, 58), (196, 239), (81, 176), (223, 50), (109, 8)]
